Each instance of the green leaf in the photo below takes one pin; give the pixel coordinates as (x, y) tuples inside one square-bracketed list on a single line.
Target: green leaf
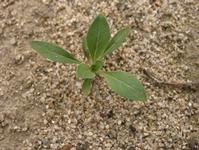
[(86, 87), (125, 84), (117, 40), (85, 47), (97, 66), (53, 52), (98, 37), (84, 72)]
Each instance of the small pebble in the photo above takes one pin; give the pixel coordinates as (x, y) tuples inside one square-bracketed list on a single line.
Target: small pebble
[(13, 41), (19, 59), (132, 129), (66, 147), (82, 146), (131, 148), (193, 145), (112, 135), (1, 117), (110, 114)]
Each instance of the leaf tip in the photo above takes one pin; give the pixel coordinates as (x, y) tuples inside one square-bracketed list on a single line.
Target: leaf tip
[(128, 29), (33, 43), (101, 14)]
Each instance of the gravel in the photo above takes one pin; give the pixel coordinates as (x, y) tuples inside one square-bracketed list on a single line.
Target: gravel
[(41, 103)]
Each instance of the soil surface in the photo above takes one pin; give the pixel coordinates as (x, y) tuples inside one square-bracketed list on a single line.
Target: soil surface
[(41, 103)]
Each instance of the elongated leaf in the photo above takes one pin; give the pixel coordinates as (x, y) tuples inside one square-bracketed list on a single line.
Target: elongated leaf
[(97, 66), (116, 41), (53, 52), (86, 87), (98, 37), (85, 48), (125, 84), (84, 72)]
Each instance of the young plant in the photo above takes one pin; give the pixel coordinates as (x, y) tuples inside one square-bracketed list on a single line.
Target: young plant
[(96, 45)]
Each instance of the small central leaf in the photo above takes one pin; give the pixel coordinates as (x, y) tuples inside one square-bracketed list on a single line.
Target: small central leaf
[(84, 72), (97, 66)]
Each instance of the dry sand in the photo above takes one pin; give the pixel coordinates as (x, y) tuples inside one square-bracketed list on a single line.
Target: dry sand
[(41, 104)]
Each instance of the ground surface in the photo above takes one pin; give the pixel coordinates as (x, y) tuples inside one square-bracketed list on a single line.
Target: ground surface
[(41, 105)]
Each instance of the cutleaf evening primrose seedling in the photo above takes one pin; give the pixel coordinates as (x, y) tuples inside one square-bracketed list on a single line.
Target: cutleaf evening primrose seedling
[(96, 45)]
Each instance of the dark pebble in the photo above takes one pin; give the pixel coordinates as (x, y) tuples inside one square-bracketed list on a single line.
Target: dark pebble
[(132, 129), (110, 114), (131, 148), (193, 145), (82, 146), (112, 135)]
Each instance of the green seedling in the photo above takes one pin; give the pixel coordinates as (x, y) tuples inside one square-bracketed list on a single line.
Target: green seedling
[(96, 45)]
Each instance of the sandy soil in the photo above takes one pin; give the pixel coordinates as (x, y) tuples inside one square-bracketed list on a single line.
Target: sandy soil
[(41, 104)]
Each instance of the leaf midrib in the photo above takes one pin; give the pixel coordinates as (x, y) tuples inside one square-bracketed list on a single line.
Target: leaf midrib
[(112, 45), (114, 42), (121, 81), (97, 43), (56, 54), (59, 53)]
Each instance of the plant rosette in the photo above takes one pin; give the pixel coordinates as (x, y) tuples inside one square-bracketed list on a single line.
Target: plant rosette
[(96, 45)]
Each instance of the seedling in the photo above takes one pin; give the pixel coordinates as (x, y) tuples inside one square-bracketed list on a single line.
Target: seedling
[(96, 45)]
